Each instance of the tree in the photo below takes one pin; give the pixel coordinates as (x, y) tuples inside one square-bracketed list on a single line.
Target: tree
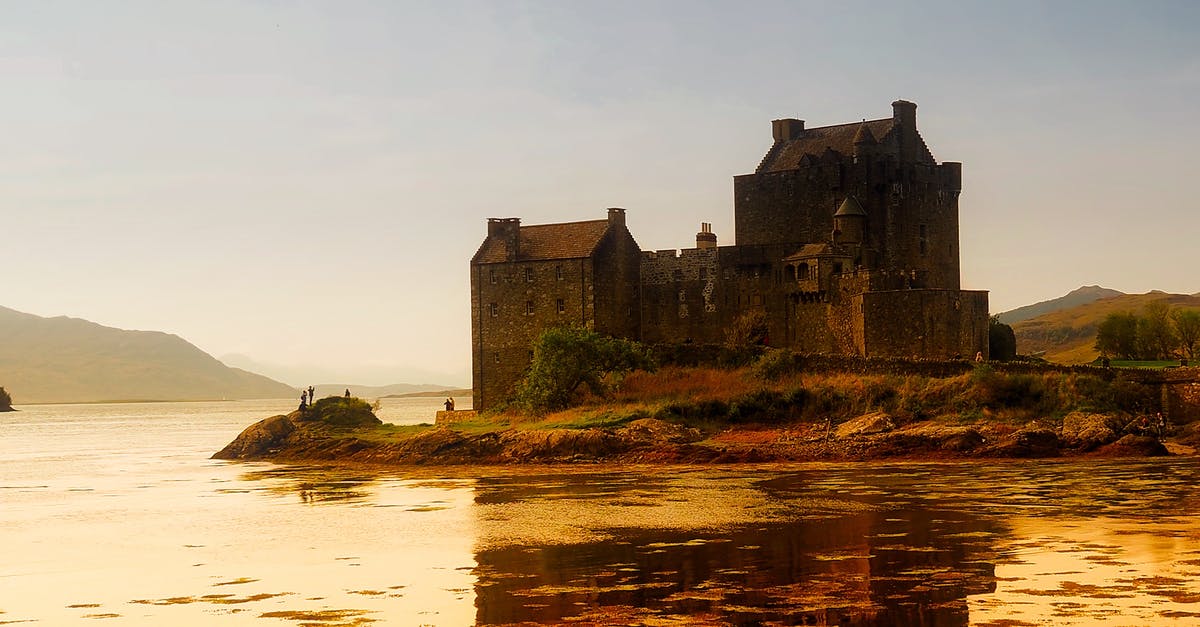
[(5, 400), (1002, 342), (1117, 335), (1156, 337), (1187, 329), (568, 357)]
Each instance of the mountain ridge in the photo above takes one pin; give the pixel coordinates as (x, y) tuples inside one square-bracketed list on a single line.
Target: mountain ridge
[(72, 360), (1076, 297), (1068, 335)]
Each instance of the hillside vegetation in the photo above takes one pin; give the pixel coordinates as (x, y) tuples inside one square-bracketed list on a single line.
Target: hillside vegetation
[(62, 360), (1068, 336)]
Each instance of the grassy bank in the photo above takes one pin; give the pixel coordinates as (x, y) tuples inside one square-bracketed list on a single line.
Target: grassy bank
[(770, 393)]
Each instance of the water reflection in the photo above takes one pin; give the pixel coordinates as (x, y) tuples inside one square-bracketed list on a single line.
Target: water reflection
[(316, 484), (915, 544)]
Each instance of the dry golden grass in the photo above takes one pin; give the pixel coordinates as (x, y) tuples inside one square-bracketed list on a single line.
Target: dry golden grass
[(710, 398), (676, 383)]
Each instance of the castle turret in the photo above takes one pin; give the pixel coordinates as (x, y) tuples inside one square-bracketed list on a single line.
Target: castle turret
[(849, 222), (864, 140), (706, 238)]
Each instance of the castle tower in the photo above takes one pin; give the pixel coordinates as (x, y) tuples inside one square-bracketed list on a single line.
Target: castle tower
[(849, 222)]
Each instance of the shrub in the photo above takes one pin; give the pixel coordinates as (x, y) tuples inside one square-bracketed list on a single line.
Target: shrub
[(341, 411), (776, 363), (570, 357), (748, 329)]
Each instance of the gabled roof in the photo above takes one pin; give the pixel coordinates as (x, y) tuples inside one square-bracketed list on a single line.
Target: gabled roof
[(809, 251), (565, 240), (815, 141), (863, 136)]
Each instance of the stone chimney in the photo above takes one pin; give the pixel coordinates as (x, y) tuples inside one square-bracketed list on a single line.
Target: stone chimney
[(706, 238), (616, 216), (787, 129), (507, 230), (905, 113)]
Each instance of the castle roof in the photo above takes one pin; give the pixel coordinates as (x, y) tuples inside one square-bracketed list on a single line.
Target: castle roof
[(850, 207), (565, 240), (808, 251), (863, 136), (790, 154)]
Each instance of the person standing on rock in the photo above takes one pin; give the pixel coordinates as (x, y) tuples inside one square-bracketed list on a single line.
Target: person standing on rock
[(347, 392), (449, 403), (303, 399), (312, 395)]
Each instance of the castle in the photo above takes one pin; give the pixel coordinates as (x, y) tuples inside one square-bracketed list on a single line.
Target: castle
[(847, 242)]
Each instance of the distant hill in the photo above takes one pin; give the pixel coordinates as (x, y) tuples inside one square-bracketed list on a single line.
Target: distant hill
[(1082, 296), (1067, 335), (65, 360)]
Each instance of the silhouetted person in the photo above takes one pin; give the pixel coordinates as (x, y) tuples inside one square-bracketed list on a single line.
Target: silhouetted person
[(449, 404), (303, 399), (312, 395), (347, 392)]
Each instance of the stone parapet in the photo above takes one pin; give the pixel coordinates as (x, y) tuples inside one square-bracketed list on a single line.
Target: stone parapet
[(453, 417)]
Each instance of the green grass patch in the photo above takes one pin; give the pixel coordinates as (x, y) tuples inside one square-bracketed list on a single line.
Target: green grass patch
[(1162, 363)]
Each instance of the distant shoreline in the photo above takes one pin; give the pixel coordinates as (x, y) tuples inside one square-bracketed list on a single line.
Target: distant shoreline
[(464, 392)]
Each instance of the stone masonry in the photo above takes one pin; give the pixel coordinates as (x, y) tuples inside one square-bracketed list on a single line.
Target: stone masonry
[(847, 241)]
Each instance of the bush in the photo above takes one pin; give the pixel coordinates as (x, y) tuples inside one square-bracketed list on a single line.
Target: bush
[(341, 411), (568, 358), (776, 363)]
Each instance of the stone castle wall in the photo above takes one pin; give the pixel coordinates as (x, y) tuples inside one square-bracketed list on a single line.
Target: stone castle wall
[(511, 303)]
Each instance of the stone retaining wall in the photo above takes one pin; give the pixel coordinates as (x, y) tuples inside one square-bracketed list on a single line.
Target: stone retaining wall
[(453, 417)]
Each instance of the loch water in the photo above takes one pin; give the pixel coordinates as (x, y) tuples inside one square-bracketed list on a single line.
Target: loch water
[(115, 514)]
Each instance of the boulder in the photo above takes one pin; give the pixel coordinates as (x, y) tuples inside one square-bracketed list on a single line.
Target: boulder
[(869, 424), (1135, 446), (654, 431), (1089, 431), (928, 438), (544, 445), (259, 439), (1031, 441)]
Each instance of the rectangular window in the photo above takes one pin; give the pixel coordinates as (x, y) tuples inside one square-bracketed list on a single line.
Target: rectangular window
[(560, 305), (529, 275), (497, 357), (529, 308), (493, 310), (492, 276), (558, 273), (923, 240)]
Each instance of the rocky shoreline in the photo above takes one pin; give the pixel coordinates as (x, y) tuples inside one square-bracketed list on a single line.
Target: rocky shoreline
[(294, 438)]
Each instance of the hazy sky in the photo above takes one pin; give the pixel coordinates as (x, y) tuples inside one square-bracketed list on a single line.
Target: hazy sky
[(305, 182)]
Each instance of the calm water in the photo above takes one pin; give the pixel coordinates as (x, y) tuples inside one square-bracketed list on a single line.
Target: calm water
[(113, 513)]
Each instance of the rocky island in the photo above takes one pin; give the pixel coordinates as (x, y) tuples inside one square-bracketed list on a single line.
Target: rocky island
[(762, 413)]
